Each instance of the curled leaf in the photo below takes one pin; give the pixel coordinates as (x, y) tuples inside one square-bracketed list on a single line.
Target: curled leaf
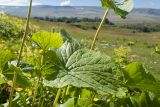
[(121, 8)]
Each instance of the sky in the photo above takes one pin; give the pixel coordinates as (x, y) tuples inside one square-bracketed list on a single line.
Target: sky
[(138, 3)]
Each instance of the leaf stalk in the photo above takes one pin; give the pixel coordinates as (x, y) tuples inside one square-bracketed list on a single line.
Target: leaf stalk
[(99, 28), (57, 97)]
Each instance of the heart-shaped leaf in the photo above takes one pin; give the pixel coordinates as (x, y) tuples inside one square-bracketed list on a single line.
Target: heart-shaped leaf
[(121, 8), (46, 40)]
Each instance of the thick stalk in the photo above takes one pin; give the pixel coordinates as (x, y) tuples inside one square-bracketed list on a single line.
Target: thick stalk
[(57, 97), (99, 29), (20, 53)]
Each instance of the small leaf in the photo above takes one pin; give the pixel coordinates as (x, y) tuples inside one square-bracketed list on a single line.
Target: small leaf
[(121, 8), (122, 92), (157, 50), (2, 80), (46, 40)]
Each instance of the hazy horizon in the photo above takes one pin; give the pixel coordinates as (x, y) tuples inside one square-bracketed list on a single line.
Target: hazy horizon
[(138, 3), (74, 6)]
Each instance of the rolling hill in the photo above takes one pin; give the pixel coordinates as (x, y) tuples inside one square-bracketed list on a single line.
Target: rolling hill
[(139, 15)]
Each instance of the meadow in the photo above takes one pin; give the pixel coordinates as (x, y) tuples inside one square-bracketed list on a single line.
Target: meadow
[(142, 44)]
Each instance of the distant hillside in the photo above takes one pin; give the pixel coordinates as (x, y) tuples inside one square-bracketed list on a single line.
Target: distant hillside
[(137, 15)]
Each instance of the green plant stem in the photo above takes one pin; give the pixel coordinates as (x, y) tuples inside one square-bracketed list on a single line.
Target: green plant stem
[(57, 97), (42, 104), (99, 29), (38, 84), (35, 92), (41, 89), (20, 53)]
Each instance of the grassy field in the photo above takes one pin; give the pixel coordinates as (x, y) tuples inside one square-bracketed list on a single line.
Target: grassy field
[(141, 44)]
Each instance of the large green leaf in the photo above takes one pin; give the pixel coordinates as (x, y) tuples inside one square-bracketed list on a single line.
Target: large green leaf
[(137, 77), (21, 81), (121, 8), (5, 56), (85, 68), (46, 40), (135, 72)]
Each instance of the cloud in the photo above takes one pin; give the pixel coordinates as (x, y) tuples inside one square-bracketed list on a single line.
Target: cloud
[(153, 4), (65, 3), (12, 2), (18, 2)]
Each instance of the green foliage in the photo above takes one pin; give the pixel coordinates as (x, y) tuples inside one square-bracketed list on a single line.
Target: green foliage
[(10, 27), (69, 19), (83, 77), (121, 8), (122, 55), (72, 65), (7, 70), (151, 27)]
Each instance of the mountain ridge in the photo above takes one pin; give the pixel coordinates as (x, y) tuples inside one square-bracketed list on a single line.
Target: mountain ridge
[(138, 15)]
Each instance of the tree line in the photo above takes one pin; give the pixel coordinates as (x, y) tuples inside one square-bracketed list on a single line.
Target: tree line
[(72, 19)]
